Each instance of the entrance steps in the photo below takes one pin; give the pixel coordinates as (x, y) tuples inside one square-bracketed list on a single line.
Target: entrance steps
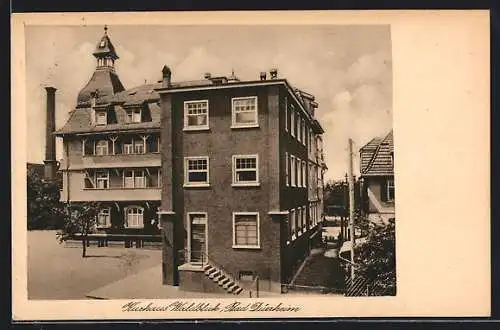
[(222, 279)]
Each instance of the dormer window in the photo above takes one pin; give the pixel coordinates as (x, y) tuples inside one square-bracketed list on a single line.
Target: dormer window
[(134, 116), (101, 117)]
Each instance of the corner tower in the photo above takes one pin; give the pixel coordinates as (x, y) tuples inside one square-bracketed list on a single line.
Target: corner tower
[(104, 80)]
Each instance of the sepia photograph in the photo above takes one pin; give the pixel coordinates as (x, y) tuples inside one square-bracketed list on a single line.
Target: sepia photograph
[(210, 160), (222, 164)]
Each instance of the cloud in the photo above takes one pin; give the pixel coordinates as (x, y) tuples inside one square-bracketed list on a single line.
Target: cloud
[(369, 68), (349, 75), (361, 109), (197, 62)]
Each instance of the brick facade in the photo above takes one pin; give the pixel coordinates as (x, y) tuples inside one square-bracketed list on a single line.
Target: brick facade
[(273, 261)]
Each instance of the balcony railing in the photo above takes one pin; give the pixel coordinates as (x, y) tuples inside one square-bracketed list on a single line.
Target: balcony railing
[(120, 160)]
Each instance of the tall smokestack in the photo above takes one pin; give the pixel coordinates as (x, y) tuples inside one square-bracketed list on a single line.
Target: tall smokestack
[(50, 163)]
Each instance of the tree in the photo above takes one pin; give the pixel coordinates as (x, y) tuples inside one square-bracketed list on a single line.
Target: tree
[(80, 221), (377, 258), (45, 211)]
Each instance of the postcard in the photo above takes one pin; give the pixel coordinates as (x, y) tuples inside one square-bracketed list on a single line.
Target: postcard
[(210, 165)]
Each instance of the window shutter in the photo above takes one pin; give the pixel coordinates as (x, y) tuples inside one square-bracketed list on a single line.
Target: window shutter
[(383, 190)]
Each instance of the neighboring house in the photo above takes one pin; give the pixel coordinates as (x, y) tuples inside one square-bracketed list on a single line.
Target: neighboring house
[(112, 154), (377, 172), (242, 170)]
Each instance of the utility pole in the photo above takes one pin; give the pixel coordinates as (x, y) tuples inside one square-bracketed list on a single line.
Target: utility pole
[(351, 207)]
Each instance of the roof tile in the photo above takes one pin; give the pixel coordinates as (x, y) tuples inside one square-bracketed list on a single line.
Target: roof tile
[(376, 156)]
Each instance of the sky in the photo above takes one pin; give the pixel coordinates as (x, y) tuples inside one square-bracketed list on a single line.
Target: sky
[(348, 68)]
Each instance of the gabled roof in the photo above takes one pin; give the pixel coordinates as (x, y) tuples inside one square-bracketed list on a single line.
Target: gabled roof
[(376, 156)]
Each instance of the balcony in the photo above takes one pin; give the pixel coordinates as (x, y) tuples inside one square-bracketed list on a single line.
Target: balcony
[(118, 194), (121, 161)]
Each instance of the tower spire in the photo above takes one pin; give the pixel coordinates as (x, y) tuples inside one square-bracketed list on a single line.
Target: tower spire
[(104, 78), (105, 51)]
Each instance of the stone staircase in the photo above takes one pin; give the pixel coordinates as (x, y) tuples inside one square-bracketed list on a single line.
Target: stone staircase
[(224, 280)]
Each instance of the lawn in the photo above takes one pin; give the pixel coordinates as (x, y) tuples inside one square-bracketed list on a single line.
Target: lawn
[(58, 272)]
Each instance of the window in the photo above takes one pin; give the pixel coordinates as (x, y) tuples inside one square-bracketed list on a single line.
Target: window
[(104, 218), (139, 147), (287, 170), (101, 147), (134, 217), (87, 147), (196, 115), (102, 179), (292, 121), (153, 143), (245, 170), (311, 142), (390, 190), (299, 120), (246, 230), (292, 223), (304, 217), (304, 177), (293, 171), (134, 179), (128, 148), (134, 115), (298, 167), (101, 118), (299, 219), (196, 171), (134, 147), (244, 112), (286, 114), (302, 131)]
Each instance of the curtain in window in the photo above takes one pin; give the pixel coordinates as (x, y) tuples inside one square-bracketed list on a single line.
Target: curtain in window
[(246, 230)]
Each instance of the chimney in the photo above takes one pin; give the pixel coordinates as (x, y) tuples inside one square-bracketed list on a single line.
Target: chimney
[(50, 163), (262, 76), (274, 73), (207, 75), (166, 76)]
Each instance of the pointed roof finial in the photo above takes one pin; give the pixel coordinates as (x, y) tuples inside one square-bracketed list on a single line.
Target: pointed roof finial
[(105, 29)]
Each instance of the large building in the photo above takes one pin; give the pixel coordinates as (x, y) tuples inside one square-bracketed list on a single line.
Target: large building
[(112, 155), (242, 166), (228, 174), (377, 172)]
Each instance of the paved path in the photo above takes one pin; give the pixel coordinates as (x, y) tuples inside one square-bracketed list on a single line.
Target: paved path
[(321, 270), (148, 285)]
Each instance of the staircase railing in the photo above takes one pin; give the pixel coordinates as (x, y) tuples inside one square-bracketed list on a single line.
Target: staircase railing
[(356, 287), (363, 287), (254, 288)]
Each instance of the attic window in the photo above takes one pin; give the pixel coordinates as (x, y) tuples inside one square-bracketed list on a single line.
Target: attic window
[(101, 118), (134, 116), (102, 44)]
